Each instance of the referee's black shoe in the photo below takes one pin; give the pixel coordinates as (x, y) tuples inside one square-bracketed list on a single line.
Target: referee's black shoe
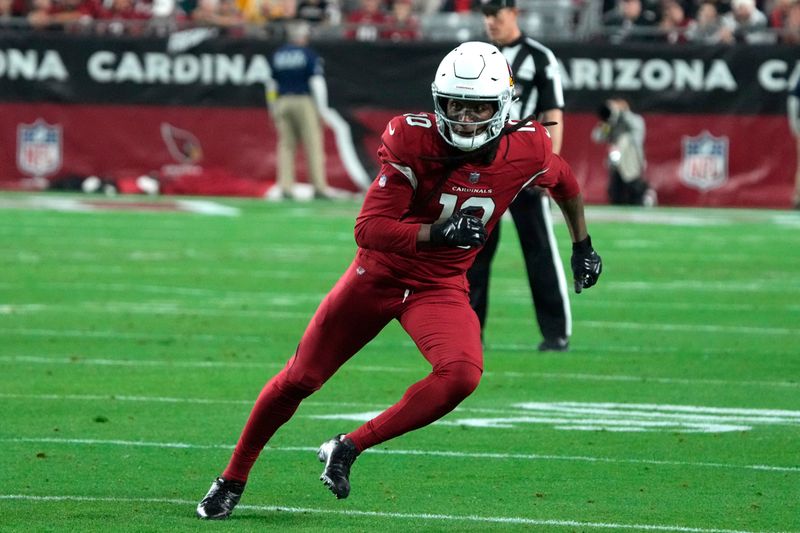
[(555, 344)]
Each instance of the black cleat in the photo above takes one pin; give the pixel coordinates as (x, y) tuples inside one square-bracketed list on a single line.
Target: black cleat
[(556, 344), (338, 454), (222, 497)]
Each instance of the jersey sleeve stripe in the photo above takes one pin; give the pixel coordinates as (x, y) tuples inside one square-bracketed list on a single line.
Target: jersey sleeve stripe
[(408, 173), (534, 177)]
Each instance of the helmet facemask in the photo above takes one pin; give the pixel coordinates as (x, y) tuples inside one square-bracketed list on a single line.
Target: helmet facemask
[(470, 134), (473, 72)]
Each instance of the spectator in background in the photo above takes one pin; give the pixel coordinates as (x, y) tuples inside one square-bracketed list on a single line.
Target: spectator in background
[(402, 24), (674, 22), (779, 12), (67, 14), (123, 17), (790, 32), (221, 14), (461, 6), (624, 131), (296, 96), (723, 6), (367, 22), (9, 10), (629, 22), (319, 12), (260, 12), (745, 24), (707, 27), (6, 11), (793, 112)]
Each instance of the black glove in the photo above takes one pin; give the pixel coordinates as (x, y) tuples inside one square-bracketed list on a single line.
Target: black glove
[(586, 264), (463, 228)]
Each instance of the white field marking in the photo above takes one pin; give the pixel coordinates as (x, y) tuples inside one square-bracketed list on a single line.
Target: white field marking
[(618, 417), (207, 337), (135, 362), (515, 298), (735, 286), (158, 308), (706, 285), (572, 424), (203, 207), (351, 513), (782, 286), (722, 415), (275, 253), (252, 296), (72, 360), (204, 401), (726, 351), (225, 308), (691, 327), (676, 216), (762, 330), (241, 273), (600, 324), (420, 453), (506, 285), (666, 411)]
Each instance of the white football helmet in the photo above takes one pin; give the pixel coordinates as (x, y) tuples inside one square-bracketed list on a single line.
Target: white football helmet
[(479, 72)]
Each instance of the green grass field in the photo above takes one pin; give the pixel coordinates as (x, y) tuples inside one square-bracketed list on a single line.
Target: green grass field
[(134, 338)]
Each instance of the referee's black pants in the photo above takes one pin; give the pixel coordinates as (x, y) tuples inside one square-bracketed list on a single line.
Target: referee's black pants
[(531, 214)]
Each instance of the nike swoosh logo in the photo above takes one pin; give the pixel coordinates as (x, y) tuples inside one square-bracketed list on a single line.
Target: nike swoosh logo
[(391, 130)]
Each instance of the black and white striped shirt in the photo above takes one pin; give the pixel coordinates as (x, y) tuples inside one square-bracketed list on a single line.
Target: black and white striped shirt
[(536, 75)]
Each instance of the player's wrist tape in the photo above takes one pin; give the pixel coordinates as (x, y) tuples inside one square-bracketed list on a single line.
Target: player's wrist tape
[(582, 247)]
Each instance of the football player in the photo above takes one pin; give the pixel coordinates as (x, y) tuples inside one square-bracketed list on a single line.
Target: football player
[(446, 179)]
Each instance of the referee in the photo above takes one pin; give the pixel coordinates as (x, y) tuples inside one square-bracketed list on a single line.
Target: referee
[(538, 85)]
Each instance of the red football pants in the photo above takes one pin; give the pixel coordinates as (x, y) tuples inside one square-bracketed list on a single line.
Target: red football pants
[(364, 300)]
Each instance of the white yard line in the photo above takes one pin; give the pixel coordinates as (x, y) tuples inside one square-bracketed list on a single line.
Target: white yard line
[(422, 453), (252, 296), (92, 361), (265, 307), (598, 324), (737, 286), (605, 325), (105, 205), (692, 328), (783, 286), (352, 513), (632, 411)]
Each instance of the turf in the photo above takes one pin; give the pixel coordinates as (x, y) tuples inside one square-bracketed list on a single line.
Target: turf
[(134, 339)]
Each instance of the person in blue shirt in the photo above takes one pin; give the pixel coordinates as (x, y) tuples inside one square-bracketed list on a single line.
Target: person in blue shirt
[(296, 96)]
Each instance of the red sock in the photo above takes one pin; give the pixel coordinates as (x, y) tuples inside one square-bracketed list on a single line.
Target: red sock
[(274, 407)]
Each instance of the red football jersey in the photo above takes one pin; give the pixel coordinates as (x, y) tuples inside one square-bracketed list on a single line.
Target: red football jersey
[(415, 186)]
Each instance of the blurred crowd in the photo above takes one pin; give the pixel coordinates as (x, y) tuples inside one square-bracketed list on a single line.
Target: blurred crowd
[(670, 21), (703, 21)]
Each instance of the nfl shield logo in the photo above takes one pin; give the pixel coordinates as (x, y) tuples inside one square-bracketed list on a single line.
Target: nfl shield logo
[(474, 177), (704, 164), (39, 147)]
